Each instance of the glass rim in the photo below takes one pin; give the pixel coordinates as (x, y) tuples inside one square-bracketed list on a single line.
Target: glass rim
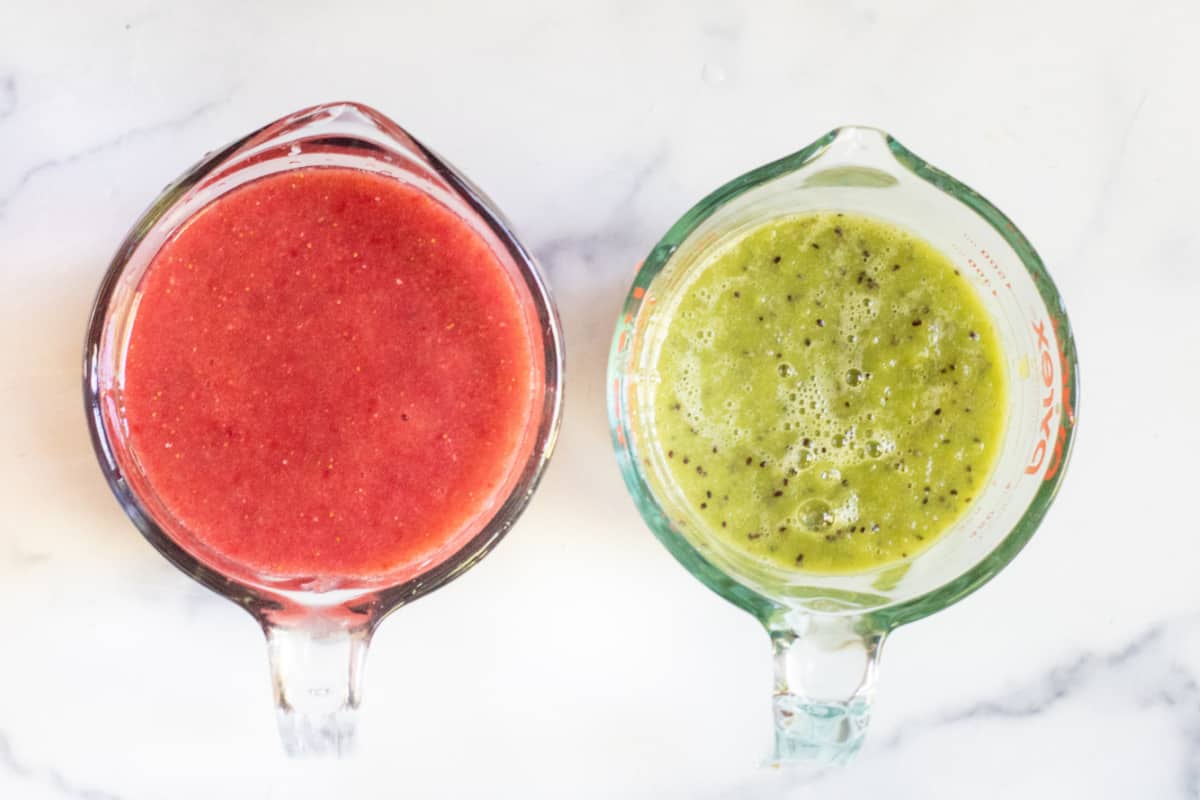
[(374, 601), (897, 613)]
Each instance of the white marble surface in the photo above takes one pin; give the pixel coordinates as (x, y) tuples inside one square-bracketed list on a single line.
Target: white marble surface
[(579, 660)]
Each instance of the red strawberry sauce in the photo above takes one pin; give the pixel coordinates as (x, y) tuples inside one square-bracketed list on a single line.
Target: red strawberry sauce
[(329, 374)]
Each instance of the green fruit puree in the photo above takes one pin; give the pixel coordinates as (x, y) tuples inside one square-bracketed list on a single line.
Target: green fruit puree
[(829, 396)]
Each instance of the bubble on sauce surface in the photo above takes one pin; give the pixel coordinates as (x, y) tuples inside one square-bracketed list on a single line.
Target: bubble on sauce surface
[(816, 516)]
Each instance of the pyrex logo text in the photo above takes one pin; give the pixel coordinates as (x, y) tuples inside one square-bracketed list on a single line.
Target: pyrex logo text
[(1051, 429)]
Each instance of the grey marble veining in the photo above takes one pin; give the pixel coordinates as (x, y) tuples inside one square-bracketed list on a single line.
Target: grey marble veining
[(46, 778), (128, 138)]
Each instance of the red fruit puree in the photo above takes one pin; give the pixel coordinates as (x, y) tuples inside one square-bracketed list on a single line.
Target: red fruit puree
[(330, 374)]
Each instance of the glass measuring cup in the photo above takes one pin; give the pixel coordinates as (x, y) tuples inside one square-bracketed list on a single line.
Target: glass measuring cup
[(318, 627), (828, 631)]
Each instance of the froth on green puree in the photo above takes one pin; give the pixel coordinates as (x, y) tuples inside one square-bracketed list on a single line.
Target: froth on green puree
[(830, 394)]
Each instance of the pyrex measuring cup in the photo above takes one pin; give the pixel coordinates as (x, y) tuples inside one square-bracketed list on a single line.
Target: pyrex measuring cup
[(828, 630), (318, 629)]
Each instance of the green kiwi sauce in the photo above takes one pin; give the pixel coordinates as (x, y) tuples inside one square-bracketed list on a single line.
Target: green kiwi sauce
[(829, 394)]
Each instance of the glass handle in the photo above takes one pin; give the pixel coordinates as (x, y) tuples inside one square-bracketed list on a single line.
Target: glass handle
[(316, 674), (825, 668)]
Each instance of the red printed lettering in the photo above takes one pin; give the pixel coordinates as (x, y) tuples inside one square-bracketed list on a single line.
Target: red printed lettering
[(1038, 457)]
